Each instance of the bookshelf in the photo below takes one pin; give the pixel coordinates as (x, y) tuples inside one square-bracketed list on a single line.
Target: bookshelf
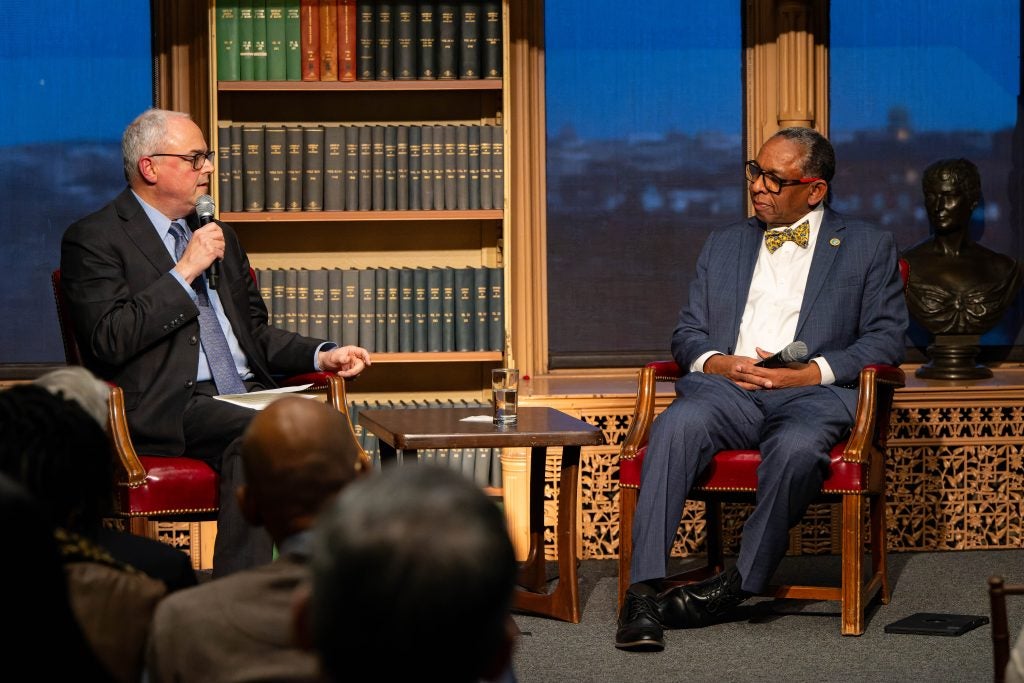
[(378, 239)]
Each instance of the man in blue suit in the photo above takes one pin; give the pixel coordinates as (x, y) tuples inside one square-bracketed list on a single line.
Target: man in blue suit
[(795, 271)]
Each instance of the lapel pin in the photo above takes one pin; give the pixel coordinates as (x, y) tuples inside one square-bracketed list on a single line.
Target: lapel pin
[(834, 241)]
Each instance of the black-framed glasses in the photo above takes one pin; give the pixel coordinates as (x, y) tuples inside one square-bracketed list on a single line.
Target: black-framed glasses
[(197, 159), (772, 182)]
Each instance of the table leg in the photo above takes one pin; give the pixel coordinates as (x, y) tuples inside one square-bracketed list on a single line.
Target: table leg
[(389, 455), (564, 602)]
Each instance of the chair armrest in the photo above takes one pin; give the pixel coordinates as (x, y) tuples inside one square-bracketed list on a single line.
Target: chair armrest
[(135, 473), (878, 384), (319, 380), (643, 412)]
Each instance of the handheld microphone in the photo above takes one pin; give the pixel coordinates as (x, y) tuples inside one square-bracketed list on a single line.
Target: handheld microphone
[(204, 209), (791, 353)]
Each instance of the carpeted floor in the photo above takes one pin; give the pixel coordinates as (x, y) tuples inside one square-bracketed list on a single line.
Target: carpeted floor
[(787, 640)]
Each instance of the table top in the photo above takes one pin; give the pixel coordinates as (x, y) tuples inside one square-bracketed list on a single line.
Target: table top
[(414, 428)]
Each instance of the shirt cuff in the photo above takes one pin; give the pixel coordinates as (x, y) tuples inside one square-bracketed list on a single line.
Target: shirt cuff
[(827, 376), (188, 288), (698, 365), (326, 346)]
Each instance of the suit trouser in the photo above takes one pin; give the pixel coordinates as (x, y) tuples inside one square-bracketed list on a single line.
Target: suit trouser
[(794, 429), (213, 432)]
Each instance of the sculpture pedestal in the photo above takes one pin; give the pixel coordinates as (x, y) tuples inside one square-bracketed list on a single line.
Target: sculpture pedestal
[(953, 357)]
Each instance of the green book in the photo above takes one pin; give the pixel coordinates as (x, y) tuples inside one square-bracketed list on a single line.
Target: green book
[(391, 308), (350, 307), (367, 310), (245, 54), (419, 307), (480, 308), (292, 41), (334, 311), (448, 309), (496, 309), (334, 167), (253, 162), (291, 300), (224, 163), (434, 286), (380, 309), (302, 302), (275, 189), (227, 41), (278, 305), (259, 40), (464, 310), (406, 312), (277, 58), (318, 304)]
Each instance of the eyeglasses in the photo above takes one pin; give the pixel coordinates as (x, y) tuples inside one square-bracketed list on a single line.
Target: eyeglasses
[(772, 182), (197, 159)]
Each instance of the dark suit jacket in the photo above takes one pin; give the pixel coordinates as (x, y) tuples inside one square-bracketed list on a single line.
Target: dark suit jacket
[(137, 326), (853, 312)]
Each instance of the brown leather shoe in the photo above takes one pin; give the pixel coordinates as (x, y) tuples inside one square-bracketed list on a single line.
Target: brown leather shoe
[(639, 624), (702, 603)]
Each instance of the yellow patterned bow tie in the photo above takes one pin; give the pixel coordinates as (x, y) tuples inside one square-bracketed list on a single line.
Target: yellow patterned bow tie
[(773, 239)]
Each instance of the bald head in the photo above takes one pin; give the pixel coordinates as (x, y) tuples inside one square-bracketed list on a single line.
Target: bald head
[(297, 454)]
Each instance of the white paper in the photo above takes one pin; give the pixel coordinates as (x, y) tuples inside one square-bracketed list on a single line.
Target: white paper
[(477, 418), (258, 400)]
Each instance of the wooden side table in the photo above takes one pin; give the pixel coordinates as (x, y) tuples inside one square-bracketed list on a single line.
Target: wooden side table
[(404, 431)]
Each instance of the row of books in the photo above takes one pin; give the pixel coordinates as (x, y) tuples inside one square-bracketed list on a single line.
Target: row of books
[(349, 167), (482, 465), (346, 40), (390, 310)]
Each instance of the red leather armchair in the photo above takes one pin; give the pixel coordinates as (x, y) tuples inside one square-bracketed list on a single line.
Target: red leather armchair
[(858, 473)]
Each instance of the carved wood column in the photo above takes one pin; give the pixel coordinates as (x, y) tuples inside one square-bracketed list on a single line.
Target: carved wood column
[(181, 63), (786, 56)]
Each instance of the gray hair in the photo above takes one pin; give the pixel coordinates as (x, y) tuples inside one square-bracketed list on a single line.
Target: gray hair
[(820, 161), (75, 383), (143, 136)]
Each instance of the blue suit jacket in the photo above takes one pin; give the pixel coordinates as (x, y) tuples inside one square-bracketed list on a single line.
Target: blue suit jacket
[(853, 311)]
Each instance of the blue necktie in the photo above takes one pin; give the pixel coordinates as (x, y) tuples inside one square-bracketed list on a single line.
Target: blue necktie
[(215, 344)]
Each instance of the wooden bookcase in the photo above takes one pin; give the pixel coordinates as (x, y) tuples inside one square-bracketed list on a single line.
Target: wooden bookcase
[(368, 239)]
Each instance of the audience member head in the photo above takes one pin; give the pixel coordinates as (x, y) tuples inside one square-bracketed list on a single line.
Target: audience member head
[(76, 383), (417, 556), (296, 456), (952, 190), (59, 453)]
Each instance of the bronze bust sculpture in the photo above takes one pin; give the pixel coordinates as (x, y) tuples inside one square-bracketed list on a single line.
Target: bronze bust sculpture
[(957, 289)]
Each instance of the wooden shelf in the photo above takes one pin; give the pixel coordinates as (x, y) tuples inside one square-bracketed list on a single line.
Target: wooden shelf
[(313, 86), (364, 216), (438, 357)]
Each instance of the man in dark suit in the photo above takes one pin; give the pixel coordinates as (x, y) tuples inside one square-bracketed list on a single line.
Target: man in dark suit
[(795, 271), (133, 273)]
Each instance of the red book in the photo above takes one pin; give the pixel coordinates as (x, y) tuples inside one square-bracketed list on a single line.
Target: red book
[(348, 42), (328, 40), (310, 36)]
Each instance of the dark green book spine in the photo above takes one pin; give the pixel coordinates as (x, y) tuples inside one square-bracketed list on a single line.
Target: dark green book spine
[(406, 311), (291, 300), (259, 40), (497, 168), (391, 308), (377, 165), (277, 55), (469, 40), (447, 40), (426, 19), (405, 41), (419, 295), (293, 167), (426, 167), (334, 311), (367, 55), (482, 468), (434, 314), (302, 309), (384, 28), (461, 167), (237, 170), (480, 308), (245, 48), (227, 41), (495, 309), (365, 168), (402, 166), (293, 41), (252, 158), (448, 309), (464, 310), (451, 169), (367, 310), (351, 168), (334, 168), (490, 55), (438, 147), (496, 468), (313, 168), (485, 167), (380, 309), (279, 306), (318, 304), (224, 164), (276, 180), (264, 280), (415, 189), (473, 154), (350, 307), (390, 168)]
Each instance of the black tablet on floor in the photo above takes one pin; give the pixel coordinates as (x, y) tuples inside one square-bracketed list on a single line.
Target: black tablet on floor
[(934, 624)]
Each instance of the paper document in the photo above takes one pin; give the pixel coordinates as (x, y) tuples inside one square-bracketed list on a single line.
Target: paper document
[(477, 418), (258, 400)]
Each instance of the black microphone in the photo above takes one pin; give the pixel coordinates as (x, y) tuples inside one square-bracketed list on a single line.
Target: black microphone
[(791, 353), (204, 209)]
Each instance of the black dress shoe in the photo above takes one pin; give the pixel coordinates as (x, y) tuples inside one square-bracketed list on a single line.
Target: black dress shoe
[(702, 603), (639, 625)]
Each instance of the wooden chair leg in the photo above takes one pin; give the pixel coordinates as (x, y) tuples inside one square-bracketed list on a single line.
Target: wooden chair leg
[(713, 536), (853, 548), (139, 526), (880, 545), (627, 506)]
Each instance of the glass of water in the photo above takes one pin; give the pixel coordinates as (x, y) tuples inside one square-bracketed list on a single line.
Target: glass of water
[(505, 394)]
